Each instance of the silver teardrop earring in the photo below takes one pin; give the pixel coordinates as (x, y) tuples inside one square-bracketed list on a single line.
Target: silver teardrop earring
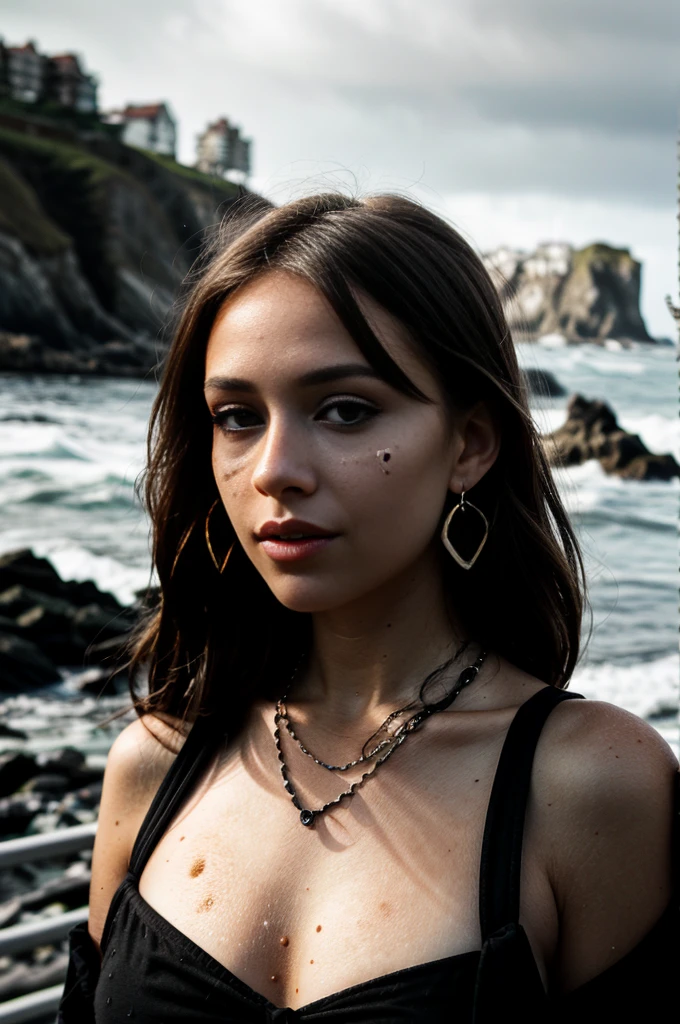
[(462, 506)]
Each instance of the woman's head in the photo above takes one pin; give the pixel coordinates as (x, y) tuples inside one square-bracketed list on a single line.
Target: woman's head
[(247, 414), (299, 418)]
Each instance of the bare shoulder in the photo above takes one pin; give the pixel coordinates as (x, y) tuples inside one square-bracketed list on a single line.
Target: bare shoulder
[(598, 754), (137, 763), (602, 797)]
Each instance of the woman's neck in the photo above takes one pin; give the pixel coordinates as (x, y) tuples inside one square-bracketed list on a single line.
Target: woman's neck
[(377, 652)]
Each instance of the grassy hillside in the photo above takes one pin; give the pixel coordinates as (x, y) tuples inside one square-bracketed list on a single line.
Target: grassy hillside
[(22, 216)]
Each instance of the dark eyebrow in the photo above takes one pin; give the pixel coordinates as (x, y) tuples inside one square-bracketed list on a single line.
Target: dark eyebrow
[(325, 375)]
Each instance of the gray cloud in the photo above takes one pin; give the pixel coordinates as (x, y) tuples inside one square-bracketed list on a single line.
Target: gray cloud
[(579, 99)]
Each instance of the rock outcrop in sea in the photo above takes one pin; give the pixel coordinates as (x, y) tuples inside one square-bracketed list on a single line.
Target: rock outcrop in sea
[(591, 431), (47, 622), (585, 295)]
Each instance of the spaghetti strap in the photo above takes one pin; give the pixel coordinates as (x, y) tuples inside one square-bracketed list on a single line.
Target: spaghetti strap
[(177, 783), (501, 859)]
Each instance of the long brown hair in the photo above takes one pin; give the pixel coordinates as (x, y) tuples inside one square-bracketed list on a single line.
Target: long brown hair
[(218, 640)]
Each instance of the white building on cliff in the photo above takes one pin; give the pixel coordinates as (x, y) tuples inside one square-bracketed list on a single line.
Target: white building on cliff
[(148, 126)]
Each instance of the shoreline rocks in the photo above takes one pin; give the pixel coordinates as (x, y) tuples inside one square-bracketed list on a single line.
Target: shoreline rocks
[(46, 622), (591, 431)]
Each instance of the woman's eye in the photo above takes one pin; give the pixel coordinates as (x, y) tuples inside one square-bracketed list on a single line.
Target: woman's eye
[(348, 414), (235, 419)]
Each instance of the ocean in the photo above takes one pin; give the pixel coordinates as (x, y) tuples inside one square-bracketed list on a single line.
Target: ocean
[(71, 449)]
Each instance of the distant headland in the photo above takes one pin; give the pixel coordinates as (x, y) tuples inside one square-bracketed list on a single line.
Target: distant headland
[(590, 294)]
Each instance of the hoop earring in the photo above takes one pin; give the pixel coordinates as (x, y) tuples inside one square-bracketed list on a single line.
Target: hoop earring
[(207, 540), (463, 505)]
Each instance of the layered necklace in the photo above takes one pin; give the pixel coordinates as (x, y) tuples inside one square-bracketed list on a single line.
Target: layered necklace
[(381, 749)]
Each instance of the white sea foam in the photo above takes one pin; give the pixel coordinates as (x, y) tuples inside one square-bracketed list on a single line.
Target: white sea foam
[(646, 689)]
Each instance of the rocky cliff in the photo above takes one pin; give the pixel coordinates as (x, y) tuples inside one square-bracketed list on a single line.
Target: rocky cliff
[(95, 239), (590, 294)]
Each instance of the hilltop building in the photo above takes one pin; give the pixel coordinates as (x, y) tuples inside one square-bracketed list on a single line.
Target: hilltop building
[(69, 85), (32, 77), (220, 149), (149, 126)]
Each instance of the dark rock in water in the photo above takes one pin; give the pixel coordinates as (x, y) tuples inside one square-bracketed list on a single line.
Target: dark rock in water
[(46, 621), (16, 769), (23, 665), (8, 732), (17, 813), (591, 431), (19, 599), (68, 759), (39, 575), (54, 633), (49, 784), (23, 566), (9, 625), (107, 652), (70, 765), (97, 624), (543, 383)]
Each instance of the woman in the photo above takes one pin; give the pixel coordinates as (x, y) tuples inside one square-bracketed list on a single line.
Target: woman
[(371, 601)]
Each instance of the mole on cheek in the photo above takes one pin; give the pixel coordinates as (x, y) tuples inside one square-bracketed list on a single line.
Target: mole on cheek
[(284, 940), (318, 927), (197, 867), (207, 904)]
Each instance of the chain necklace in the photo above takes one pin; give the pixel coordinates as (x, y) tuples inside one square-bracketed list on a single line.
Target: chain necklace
[(390, 739), (307, 815), (288, 725)]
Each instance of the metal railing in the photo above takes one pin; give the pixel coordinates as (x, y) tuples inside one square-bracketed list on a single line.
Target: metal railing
[(18, 938)]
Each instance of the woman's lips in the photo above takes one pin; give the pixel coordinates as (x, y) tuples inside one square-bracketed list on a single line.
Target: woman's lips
[(286, 550)]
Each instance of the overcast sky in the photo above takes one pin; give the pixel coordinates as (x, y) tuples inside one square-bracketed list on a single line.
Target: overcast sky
[(520, 120)]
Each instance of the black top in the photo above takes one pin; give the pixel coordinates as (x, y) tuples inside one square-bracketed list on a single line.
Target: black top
[(154, 974)]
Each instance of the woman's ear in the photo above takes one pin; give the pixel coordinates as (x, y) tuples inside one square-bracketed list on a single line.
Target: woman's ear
[(478, 437)]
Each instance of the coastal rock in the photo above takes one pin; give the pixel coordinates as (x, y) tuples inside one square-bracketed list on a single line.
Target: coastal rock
[(590, 294), (49, 621), (23, 665), (591, 431), (17, 813), (22, 353), (39, 575), (16, 769), (96, 238), (543, 383)]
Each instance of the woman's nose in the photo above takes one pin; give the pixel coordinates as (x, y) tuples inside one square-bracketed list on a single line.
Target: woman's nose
[(283, 460)]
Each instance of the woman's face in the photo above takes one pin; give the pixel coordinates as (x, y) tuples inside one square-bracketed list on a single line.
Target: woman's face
[(300, 416)]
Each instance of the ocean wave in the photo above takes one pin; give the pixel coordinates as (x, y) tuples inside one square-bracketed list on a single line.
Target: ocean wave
[(648, 689)]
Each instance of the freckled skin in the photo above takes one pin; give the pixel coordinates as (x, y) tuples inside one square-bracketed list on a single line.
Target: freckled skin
[(197, 867), (293, 442)]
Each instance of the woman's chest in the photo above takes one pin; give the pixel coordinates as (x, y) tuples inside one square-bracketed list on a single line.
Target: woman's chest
[(386, 881)]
